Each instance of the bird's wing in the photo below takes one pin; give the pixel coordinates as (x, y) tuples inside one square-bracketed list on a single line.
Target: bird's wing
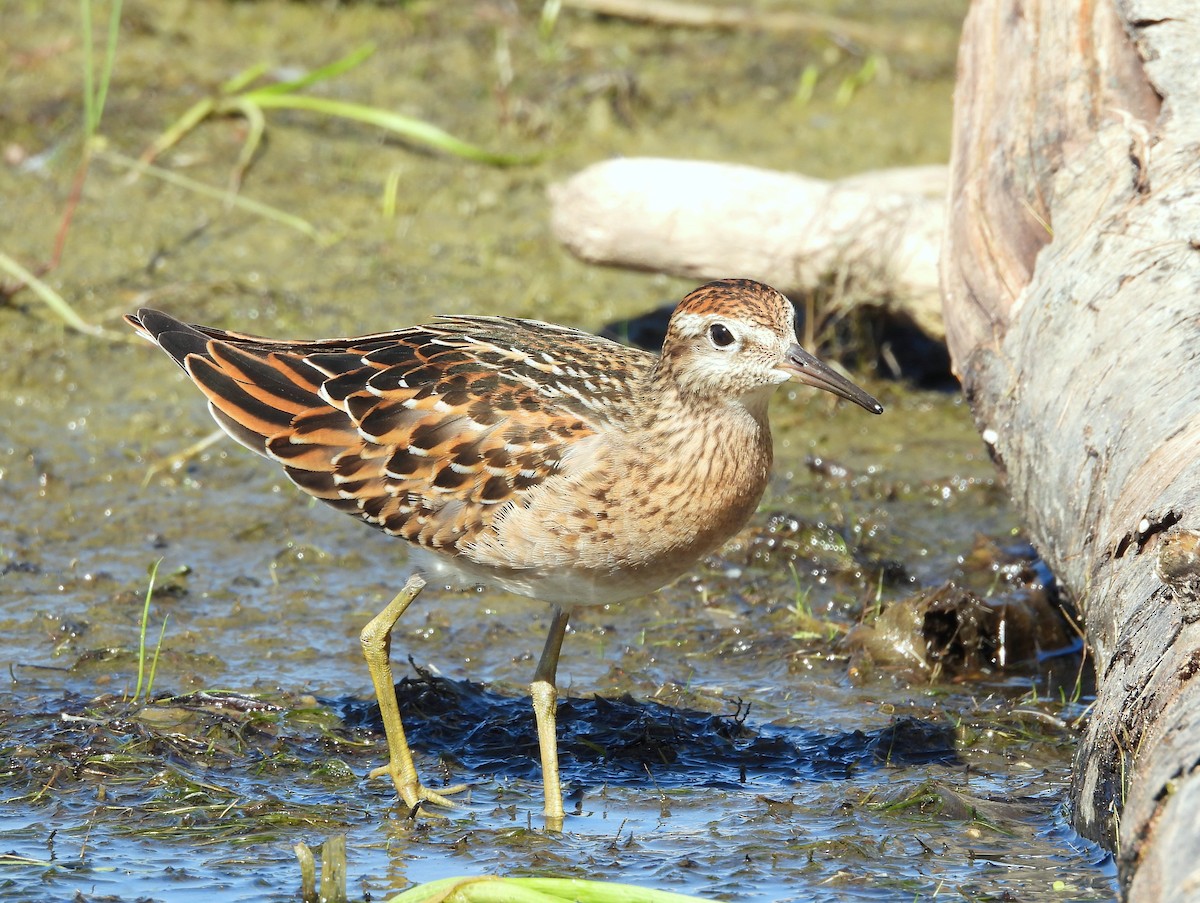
[(427, 432)]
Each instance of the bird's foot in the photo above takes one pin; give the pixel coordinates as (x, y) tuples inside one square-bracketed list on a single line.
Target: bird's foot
[(416, 795)]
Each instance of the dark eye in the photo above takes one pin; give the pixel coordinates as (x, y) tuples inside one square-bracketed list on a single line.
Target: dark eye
[(720, 335)]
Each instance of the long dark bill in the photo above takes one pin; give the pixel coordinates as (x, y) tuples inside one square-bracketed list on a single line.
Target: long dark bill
[(815, 372)]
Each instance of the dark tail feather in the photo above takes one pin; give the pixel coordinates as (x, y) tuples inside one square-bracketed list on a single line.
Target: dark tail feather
[(172, 336)]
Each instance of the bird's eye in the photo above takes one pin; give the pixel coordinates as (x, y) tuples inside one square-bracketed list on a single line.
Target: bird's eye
[(720, 335)]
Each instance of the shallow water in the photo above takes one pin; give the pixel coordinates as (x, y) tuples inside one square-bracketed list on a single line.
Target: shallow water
[(263, 593)]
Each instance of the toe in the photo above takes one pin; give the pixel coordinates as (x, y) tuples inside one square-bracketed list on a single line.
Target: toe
[(414, 793)]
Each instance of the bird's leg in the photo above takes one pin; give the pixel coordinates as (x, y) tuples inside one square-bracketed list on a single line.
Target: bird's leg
[(545, 703), (377, 647)]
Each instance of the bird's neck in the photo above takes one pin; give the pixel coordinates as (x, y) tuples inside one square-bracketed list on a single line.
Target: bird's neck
[(725, 442), (674, 399)]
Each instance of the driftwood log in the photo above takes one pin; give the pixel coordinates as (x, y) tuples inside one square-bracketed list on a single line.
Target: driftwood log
[(1071, 272), (875, 236), (678, 13)]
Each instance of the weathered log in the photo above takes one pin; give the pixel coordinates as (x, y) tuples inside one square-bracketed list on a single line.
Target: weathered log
[(926, 41), (1071, 271), (876, 236)]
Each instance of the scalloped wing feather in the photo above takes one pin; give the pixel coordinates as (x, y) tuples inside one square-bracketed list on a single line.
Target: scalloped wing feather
[(426, 433)]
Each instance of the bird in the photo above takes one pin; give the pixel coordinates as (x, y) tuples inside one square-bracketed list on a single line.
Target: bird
[(521, 454)]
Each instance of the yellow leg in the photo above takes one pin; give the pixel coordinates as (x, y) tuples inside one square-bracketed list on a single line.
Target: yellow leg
[(377, 647), (545, 702)]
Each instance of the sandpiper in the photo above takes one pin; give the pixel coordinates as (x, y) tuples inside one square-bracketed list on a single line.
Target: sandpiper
[(535, 457)]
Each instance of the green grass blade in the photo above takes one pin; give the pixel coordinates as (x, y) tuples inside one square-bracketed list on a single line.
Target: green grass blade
[(243, 78), (89, 94), (48, 296), (174, 133), (548, 19), (806, 87), (601, 891), (490, 889), (415, 130), (334, 69), (157, 649), (256, 127), (236, 200), (391, 187), (137, 692), (483, 889), (110, 59), (95, 95)]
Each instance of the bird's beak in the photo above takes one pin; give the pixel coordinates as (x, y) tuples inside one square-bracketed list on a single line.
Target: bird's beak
[(815, 372)]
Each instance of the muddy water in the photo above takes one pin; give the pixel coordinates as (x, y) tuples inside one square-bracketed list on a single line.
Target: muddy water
[(848, 778)]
